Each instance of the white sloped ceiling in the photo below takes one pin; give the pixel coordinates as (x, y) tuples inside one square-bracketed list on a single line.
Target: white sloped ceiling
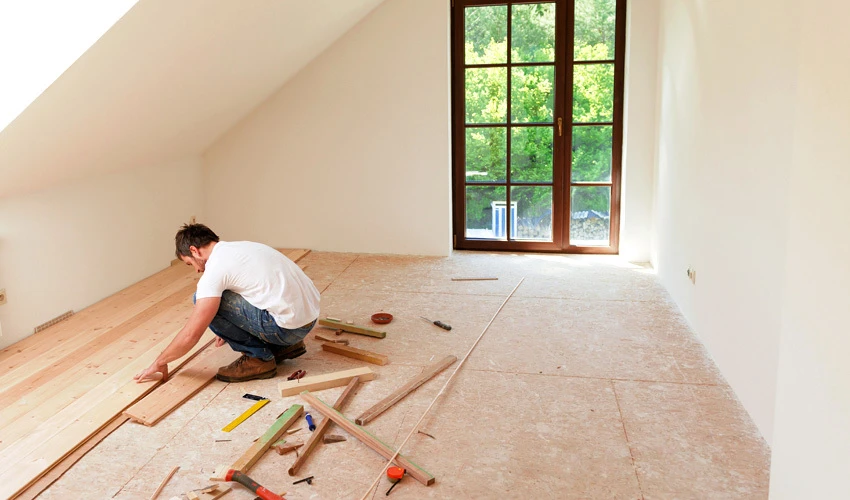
[(164, 82)]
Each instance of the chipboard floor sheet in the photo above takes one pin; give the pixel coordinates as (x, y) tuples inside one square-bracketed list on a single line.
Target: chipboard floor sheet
[(588, 385)]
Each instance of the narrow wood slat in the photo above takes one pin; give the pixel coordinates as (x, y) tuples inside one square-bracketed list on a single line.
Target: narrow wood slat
[(360, 330), (179, 388), (355, 353), (285, 421), (324, 381), (400, 393), (323, 427), (26, 460), (368, 439)]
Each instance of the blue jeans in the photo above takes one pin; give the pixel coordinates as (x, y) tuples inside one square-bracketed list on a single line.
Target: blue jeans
[(250, 330)]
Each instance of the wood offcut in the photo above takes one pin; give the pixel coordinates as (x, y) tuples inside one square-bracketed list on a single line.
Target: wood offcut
[(360, 330), (400, 393), (355, 353), (368, 439), (324, 381)]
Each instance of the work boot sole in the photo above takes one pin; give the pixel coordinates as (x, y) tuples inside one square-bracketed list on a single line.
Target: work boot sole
[(280, 358), (258, 376)]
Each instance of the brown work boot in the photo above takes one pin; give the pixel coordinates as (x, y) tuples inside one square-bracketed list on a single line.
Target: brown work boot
[(289, 352), (247, 368)]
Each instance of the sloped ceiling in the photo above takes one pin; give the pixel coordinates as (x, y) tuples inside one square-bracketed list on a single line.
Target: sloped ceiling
[(164, 82)]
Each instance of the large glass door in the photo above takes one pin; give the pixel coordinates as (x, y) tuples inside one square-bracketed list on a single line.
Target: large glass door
[(514, 145)]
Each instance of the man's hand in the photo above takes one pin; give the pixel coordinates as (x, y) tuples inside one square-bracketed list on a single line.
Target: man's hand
[(219, 341), (150, 372)]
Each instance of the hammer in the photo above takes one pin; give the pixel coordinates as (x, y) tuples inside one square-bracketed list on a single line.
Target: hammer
[(263, 493)]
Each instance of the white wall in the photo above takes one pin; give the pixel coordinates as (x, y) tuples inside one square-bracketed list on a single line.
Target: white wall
[(352, 154), (162, 84), (68, 247), (728, 75), (811, 452), (54, 33), (639, 129)]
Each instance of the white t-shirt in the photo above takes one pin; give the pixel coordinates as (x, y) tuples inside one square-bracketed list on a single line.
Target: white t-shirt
[(265, 278)]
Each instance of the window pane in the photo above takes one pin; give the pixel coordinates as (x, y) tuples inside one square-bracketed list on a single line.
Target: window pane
[(590, 222), (532, 94), (533, 33), (486, 95), (595, 27), (486, 35), (485, 212), (531, 154), (593, 93), (486, 154), (534, 212), (592, 148)]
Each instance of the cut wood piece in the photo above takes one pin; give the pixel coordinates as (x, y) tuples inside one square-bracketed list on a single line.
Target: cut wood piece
[(36, 488), (182, 386), (360, 330), (333, 438), (208, 493), (368, 439), (324, 381), (399, 394), (325, 424), (285, 421), (282, 449), (164, 482), (326, 339), (474, 279), (30, 457), (353, 352), (214, 494), (220, 473)]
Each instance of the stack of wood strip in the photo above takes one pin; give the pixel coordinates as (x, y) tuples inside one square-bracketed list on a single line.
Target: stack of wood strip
[(70, 383)]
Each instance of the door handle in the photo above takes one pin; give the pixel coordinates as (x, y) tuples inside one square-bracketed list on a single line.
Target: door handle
[(560, 126)]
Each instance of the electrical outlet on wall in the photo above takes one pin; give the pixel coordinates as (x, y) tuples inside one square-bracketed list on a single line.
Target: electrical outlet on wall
[(2, 296)]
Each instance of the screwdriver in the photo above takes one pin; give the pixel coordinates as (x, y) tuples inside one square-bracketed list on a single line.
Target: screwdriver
[(438, 323)]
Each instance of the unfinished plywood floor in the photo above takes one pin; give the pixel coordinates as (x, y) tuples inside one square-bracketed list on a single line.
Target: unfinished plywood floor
[(589, 384)]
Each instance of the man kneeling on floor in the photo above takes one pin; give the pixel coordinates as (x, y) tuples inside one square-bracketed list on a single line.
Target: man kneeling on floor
[(251, 296)]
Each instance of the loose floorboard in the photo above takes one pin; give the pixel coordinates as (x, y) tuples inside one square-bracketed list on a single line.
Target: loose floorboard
[(589, 384)]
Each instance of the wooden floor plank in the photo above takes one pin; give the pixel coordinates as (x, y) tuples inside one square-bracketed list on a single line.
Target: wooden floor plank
[(97, 353), (185, 384), (26, 413), (84, 335), (100, 312), (65, 464), (29, 458)]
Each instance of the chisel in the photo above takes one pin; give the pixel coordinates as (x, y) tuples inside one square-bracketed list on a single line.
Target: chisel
[(438, 323)]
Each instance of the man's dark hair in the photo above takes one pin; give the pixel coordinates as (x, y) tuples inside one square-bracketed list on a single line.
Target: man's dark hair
[(193, 235)]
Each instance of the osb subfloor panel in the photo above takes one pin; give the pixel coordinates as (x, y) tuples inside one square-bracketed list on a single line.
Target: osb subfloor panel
[(588, 385)]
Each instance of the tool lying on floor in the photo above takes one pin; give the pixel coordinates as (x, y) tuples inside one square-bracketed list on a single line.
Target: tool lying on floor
[(310, 424), (241, 418), (261, 492), (297, 375), (438, 323), (395, 475)]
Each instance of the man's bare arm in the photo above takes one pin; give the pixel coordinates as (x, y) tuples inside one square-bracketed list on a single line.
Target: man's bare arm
[(201, 317)]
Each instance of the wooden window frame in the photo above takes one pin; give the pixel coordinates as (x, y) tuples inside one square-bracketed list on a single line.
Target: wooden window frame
[(562, 146)]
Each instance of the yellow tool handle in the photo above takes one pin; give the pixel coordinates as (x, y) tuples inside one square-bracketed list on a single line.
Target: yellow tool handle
[(241, 418)]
